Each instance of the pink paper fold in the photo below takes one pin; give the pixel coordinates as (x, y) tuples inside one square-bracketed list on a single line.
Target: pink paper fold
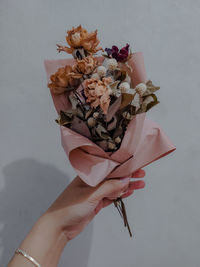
[(143, 143)]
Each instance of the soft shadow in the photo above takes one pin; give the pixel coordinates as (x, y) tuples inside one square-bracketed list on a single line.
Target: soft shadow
[(30, 187)]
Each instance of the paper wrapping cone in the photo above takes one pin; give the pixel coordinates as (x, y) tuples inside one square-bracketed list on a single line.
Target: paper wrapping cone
[(143, 142)]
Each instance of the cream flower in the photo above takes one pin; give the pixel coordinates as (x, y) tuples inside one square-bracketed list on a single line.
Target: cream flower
[(86, 65), (97, 93)]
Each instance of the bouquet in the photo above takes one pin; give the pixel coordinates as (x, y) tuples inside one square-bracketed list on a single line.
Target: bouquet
[(102, 102)]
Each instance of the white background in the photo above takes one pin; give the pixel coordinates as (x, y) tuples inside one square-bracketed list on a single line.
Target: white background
[(165, 216)]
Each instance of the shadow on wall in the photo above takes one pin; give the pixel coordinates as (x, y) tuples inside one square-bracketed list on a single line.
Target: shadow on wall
[(30, 187)]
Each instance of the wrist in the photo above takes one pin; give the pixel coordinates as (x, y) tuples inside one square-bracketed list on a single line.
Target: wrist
[(45, 242)]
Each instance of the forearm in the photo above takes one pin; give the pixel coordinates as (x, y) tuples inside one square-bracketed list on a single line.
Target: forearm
[(45, 243)]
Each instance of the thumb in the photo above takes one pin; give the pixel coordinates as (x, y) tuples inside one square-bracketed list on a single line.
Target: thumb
[(111, 189)]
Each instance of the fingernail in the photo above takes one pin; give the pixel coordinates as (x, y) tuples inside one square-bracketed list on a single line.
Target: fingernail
[(125, 181)]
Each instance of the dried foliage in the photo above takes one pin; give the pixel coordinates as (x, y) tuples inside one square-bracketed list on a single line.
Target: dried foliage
[(102, 99)]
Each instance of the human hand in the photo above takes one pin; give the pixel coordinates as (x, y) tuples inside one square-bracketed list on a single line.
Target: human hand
[(79, 203), (68, 216)]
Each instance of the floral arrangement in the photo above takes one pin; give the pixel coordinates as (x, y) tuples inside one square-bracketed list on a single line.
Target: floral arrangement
[(102, 101)]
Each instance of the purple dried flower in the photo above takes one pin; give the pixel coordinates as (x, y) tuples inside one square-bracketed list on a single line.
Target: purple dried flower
[(115, 49), (108, 51), (120, 55)]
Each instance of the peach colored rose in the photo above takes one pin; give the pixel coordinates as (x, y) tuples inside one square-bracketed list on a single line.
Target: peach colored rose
[(62, 79), (80, 38), (86, 65), (98, 93)]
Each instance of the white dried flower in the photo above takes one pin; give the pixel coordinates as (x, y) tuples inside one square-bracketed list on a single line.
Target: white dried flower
[(124, 86), (112, 64), (101, 70), (130, 91), (95, 76), (111, 145), (91, 122), (118, 140), (95, 115), (141, 88)]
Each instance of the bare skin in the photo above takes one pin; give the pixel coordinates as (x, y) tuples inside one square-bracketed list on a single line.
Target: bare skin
[(71, 212)]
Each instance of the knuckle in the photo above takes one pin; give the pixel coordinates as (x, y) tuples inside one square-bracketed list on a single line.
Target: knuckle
[(116, 186)]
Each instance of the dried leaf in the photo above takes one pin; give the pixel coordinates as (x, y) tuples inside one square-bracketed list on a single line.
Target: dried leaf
[(113, 109), (114, 85), (118, 132), (114, 88), (88, 113), (136, 101), (126, 100), (120, 75), (132, 110), (65, 118), (150, 88), (79, 112), (127, 115), (73, 100), (112, 124), (103, 144), (80, 127), (149, 102), (102, 132)]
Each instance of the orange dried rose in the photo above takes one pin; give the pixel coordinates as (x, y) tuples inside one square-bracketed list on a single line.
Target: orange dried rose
[(98, 93), (62, 79), (80, 38), (86, 65)]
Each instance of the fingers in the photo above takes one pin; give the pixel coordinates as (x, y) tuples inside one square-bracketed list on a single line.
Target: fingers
[(136, 185), (110, 189), (138, 174), (127, 192), (133, 186)]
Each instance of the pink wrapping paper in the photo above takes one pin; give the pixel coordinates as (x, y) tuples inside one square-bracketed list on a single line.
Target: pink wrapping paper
[(143, 143)]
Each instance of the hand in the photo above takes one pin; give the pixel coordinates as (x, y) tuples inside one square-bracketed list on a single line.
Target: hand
[(68, 216), (79, 203)]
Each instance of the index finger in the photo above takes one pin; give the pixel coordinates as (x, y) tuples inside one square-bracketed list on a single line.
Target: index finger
[(138, 174)]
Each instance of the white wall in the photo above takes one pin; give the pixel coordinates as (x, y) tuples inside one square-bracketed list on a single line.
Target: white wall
[(165, 216)]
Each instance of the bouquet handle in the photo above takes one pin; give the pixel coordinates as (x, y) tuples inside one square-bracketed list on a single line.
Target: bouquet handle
[(119, 204)]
